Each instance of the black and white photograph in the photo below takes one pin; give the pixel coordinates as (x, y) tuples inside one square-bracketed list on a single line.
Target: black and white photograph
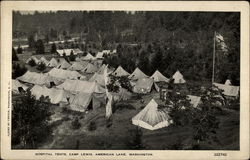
[(125, 80)]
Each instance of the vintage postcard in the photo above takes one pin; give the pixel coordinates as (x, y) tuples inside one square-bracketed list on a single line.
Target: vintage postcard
[(124, 80)]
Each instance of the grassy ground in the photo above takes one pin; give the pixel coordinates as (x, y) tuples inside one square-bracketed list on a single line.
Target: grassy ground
[(119, 133)]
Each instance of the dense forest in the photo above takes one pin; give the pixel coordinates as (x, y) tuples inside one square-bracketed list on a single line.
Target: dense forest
[(166, 41)]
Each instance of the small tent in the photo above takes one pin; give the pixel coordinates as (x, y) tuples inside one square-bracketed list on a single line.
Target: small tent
[(16, 86), (143, 85), (178, 78), (232, 91), (194, 100), (99, 55), (90, 68), (158, 77), (65, 74), (63, 65), (88, 57), (137, 74), (120, 72), (228, 82), (151, 117), (77, 51), (53, 63)]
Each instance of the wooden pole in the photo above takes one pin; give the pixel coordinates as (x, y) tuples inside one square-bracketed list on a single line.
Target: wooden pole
[(213, 59)]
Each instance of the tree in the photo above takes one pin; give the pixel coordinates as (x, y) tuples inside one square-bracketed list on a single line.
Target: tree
[(53, 48), (157, 61), (39, 47), (72, 57), (47, 38), (32, 62), (41, 66), (19, 49), (30, 121), (14, 56), (31, 41)]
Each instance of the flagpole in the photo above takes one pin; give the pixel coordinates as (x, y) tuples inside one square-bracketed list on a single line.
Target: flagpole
[(213, 58)]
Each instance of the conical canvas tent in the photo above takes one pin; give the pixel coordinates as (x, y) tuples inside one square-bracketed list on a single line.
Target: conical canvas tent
[(65, 74), (88, 57), (53, 63), (137, 74), (63, 65), (77, 66), (143, 85), (158, 77), (228, 82), (99, 78), (55, 95), (90, 68), (76, 86), (228, 90), (16, 85), (43, 60), (178, 77), (120, 72), (194, 100), (151, 117), (34, 58)]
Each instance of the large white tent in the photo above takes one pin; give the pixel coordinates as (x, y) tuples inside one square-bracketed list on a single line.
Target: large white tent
[(16, 85), (65, 74), (159, 77), (83, 101), (151, 117), (55, 95), (120, 72), (178, 77), (143, 85), (38, 78), (76, 86), (137, 74)]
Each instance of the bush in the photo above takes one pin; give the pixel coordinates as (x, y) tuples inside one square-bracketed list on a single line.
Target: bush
[(41, 67), (75, 124), (32, 63), (92, 126)]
